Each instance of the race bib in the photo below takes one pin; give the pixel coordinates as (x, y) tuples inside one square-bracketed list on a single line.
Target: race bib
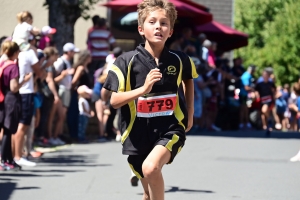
[(266, 99), (156, 106)]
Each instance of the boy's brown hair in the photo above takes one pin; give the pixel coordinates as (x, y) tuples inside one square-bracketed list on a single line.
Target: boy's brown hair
[(147, 6), (296, 88)]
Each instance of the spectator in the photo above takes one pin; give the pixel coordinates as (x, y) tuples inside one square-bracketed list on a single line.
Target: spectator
[(176, 45), (281, 107), (188, 46), (24, 29), (46, 37), (81, 77), (10, 107), (246, 88), (100, 41), (238, 68), (63, 67), (84, 113), (50, 97)]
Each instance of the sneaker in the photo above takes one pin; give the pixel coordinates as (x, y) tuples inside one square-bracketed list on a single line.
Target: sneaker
[(25, 162), (14, 166), (102, 139), (295, 158), (215, 128), (3, 167), (118, 138), (53, 142), (59, 141), (134, 181)]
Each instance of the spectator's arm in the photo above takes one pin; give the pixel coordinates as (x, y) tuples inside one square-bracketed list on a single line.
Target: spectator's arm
[(51, 84), (105, 94), (77, 75), (61, 76)]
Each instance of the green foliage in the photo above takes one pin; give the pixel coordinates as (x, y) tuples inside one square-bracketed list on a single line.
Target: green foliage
[(274, 37), (84, 6)]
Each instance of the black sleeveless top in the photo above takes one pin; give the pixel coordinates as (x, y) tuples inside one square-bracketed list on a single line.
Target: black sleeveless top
[(85, 79)]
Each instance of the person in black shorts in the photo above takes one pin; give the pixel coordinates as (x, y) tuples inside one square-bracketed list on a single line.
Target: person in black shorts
[(265, 91), (145, 86)]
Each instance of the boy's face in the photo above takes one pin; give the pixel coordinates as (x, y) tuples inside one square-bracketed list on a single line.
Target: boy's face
[(156, 27)]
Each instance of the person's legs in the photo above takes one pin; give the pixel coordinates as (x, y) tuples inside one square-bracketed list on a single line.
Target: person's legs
[(52, 113), (82, 124), (29, 137), (99, 111), (264, 115), (6, 149), (152, 167), (60, 120), (72, 115), (19, 140)]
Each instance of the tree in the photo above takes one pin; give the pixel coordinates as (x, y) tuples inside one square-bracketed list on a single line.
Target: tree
[(63, 15), (273, 35)]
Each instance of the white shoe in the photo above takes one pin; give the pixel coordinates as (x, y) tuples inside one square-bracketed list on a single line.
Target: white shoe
[(214, 127), (60, 142), (118, 138), (295, 158), (25, 162), (53, 141)]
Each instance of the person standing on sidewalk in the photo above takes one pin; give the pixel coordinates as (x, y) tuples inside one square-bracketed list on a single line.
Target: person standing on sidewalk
[(10, 107), (64, 68)]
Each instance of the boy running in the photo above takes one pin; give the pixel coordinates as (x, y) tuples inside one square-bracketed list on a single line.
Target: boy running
[(145, 85)]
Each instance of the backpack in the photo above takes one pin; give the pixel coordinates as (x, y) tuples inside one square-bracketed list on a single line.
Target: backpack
[(3, 65)]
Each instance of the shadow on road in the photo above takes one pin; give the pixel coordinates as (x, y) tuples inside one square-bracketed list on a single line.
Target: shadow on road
[(6, 189), (177, 189), (248, 134)]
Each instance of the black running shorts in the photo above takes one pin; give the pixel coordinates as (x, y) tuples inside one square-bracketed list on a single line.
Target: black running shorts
[(172, 140)]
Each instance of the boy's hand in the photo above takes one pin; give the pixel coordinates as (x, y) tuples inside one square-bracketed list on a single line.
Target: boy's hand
[(153, 76)]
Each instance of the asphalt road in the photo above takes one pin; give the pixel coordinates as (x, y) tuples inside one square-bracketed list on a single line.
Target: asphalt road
[(214, 166)]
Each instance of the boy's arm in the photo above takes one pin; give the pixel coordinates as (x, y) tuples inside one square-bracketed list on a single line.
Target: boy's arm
[(188, 88), (122, 98)]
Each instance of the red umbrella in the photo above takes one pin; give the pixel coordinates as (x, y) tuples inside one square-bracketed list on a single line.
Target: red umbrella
[(197, 15), (226, 37)]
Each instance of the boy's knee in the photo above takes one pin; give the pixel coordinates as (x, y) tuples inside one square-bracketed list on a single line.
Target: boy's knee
[(150, 169)]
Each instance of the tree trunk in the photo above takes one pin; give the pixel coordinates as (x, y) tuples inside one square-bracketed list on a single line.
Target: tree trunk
[(62, 16)]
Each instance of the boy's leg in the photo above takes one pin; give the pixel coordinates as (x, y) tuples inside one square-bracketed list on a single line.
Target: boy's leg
[(152, 166)]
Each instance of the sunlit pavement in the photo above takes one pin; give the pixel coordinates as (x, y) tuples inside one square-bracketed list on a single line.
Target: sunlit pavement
[(216, 166)]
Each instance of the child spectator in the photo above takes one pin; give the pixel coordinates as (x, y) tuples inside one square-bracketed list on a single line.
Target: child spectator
[(85, 113), (24, 29), (46, 37)]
